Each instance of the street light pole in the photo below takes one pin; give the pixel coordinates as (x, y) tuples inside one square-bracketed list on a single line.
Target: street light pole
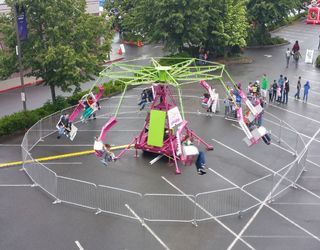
[(18, 52)]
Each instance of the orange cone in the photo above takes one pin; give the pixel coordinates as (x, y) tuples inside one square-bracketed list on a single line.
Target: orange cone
[(119, 51)]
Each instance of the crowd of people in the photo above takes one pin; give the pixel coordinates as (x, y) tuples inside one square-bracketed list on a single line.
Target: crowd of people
[(279, 90)]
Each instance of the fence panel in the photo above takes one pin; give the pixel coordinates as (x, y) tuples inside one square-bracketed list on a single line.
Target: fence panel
[(169, 207), (113, 200), (300, 165), (33, 135), (41, 175), (260, 188), (217, 203), (77, 192), (282, 179), (48, 124), (24, 147)]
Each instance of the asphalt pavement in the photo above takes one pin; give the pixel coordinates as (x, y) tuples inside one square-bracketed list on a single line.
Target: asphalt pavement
[(29, 220)]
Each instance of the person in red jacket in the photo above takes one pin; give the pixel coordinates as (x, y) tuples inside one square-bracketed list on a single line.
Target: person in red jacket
[(295, 47)]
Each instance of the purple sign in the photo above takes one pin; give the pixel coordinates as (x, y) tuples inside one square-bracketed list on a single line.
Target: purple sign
[(22, 23)]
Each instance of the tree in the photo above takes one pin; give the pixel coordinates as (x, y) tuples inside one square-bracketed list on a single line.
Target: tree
[(178, 24), (217, 25), (227, 26), (264, 13), (64, 46)]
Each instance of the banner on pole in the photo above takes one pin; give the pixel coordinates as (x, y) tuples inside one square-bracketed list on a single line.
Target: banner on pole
[(22, 23)]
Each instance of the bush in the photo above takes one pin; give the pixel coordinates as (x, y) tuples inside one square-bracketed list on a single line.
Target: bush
[(74, 99), (318, 62), (20, 121)]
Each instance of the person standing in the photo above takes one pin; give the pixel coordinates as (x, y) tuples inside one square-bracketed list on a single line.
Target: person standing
[(280, 85), (226, 106), (296, 57), (288, 55), (319, 43), (286, 90), (306, 89), (295, 47), (297, 95), (274, 90), (264, 87), (270, 92)]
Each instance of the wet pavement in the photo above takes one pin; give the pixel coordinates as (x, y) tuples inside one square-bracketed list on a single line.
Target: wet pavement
[(29, 220)]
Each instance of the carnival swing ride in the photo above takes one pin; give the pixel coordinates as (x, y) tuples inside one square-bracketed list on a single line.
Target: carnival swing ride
[(165, 131)]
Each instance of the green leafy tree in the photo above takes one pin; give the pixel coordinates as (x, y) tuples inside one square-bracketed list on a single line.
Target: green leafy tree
[(65, 45), (217, 25), (178, 24), (227, 27), (264, 13)]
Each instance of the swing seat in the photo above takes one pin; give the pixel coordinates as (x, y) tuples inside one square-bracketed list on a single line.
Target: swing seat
[(98, 153), (257, 134), (87, 113), (189, 154)]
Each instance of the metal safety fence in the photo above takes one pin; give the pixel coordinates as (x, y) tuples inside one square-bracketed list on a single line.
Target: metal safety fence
[(167, 207)]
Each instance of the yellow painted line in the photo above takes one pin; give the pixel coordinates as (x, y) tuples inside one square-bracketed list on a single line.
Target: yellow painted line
[(54, 157)]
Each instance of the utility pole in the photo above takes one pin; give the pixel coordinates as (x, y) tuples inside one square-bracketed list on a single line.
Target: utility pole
[(18, 52)]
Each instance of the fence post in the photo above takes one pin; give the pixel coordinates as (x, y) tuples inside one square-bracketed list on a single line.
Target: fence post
[(99, 210), (143, 210), (57, 201), (195, 211), (304, 163), (272, 186), (40, 139), (296, 172), (296, 147), (280, 132), (240, 205)]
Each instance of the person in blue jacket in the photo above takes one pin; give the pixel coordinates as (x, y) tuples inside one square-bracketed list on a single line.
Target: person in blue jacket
[(306, 89)]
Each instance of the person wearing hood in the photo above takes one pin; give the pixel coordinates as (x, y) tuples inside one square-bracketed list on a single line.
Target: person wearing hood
[(306, 89)]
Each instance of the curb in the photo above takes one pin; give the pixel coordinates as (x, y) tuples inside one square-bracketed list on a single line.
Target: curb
[(235, 61), (267, 46), (35, 83), (112, 61)]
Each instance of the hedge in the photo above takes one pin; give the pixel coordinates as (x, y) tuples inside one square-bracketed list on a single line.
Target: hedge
[(20, 121)]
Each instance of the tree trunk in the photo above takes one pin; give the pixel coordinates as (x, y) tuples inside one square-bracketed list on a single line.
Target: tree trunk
[(53, 92)]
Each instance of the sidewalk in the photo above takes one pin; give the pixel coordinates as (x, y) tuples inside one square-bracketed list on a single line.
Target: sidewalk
[(15, 83)]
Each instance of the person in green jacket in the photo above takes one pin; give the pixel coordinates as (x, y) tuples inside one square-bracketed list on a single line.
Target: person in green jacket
[(264, 87)]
